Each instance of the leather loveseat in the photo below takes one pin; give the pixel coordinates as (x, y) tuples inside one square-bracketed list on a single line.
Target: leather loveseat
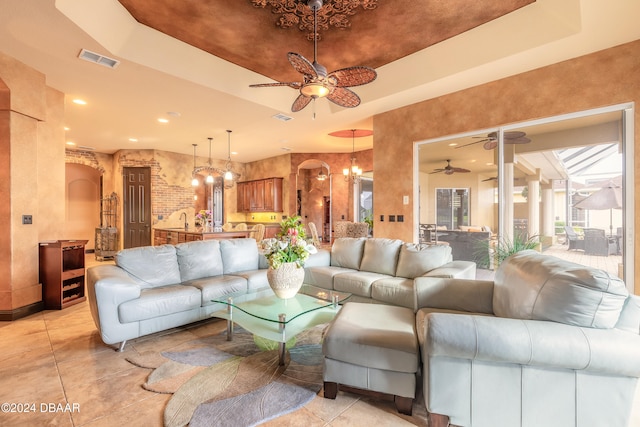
[(154, 288), (382, 270), (547, 343)]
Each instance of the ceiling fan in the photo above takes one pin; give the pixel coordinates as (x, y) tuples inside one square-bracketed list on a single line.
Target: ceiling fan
[(491, 140), (317, 83), (449, 170)]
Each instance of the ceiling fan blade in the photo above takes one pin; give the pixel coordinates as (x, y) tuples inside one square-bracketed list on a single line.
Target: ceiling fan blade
[(513, 134), (300, 102), (521, 140), (493, 178), (302, 64), (459, 170), (294, 85), (471, 143), (437, 171), (352, 76), (344, 97), (490, 145)]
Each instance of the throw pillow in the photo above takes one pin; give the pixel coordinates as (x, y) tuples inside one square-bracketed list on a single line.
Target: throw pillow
[(416, 260)]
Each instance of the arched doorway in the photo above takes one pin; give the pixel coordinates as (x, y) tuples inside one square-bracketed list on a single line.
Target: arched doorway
[(82, 197)]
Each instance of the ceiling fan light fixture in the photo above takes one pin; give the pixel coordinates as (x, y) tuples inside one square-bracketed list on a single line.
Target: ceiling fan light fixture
[(315, 90)]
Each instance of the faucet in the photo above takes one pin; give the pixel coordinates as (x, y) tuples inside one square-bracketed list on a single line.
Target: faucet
[(186, 224)]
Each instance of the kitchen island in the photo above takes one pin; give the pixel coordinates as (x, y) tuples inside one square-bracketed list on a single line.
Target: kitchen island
[(173, 236)]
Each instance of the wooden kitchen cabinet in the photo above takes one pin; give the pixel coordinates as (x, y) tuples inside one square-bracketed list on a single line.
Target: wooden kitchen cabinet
[(262, 195)]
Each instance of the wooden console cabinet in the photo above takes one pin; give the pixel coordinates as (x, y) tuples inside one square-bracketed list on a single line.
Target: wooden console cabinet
[(262, 195), (62, 273)]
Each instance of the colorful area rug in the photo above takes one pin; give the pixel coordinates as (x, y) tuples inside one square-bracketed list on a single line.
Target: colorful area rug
[(216, 382)]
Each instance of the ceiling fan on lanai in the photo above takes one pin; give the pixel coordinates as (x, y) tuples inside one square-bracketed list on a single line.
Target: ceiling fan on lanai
[(449, 170), (317, 83), (491, 140)]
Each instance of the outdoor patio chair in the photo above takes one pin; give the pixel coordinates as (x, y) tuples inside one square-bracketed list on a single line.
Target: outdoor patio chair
[(575, 241), (596, 242)]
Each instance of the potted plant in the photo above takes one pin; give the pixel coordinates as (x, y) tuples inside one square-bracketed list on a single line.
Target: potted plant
[(286, 255), (493, 252)]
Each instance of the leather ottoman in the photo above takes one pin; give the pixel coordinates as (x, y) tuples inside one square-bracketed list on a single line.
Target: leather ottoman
[(372, 347)]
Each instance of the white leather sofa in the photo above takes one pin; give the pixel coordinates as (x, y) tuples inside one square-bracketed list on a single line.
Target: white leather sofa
[(154, 288), (547, 343), (382, 270)]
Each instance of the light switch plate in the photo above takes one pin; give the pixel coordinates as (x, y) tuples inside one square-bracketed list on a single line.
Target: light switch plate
[(405, 200)]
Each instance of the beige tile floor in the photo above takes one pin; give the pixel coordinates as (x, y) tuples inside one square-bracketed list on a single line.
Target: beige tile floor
[(57, 357)]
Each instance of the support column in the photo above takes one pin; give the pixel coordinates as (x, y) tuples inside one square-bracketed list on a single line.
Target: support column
[(533, 202), (548, 218)]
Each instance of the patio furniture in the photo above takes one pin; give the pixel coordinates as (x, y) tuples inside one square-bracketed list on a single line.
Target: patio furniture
[(575, 241), (597, 243)]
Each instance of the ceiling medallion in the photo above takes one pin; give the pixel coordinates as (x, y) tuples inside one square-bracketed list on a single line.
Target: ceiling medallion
[(296, 12)]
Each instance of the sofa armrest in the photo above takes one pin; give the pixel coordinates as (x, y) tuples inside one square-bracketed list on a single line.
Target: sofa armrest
[(108, 287), (457, 269), (474, 296), (531, 342)]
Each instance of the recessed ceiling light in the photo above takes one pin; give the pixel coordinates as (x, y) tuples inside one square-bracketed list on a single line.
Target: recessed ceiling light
[(133, 139), (234, 153), (66, 128), (453, 144), (71, 143), (472, 160), (163, 120), (80, 102), (489, 163)]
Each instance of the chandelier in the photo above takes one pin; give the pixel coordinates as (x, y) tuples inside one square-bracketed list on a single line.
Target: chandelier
[(354, 173), (334, 12)]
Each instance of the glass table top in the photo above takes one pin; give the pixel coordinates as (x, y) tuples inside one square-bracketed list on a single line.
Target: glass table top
[(264, 305)]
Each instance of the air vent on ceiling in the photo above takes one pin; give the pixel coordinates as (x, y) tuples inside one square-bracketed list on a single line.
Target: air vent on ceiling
[(87, 55), (282, 117)]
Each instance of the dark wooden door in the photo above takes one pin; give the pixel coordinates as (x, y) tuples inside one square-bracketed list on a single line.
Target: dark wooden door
[(137, 207)]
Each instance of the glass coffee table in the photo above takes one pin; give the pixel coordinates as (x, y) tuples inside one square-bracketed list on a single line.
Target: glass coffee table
[(265, 315)]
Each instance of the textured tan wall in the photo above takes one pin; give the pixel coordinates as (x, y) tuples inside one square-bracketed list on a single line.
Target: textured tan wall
[(32, 139), (600, 79)]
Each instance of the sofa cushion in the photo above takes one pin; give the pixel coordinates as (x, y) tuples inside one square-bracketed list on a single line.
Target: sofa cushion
[(150, 266), (218, 287), (394, 290), (416, 260), (159, 301), (239, 255), (380, 256), (530, 285), (347, 252), (199, 259), (357, 282)]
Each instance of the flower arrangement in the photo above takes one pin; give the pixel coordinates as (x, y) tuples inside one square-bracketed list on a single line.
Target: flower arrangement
[(289, 245), (203, 217)]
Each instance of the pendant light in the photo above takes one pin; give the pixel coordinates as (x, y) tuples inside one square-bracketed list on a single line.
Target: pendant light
[(209, 176), (194, 179), (229, 176)]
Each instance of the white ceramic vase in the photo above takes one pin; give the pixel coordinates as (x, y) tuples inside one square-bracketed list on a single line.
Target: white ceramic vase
[(286, 280)]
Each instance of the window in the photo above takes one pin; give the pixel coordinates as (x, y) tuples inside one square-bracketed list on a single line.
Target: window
[(452, 207)]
